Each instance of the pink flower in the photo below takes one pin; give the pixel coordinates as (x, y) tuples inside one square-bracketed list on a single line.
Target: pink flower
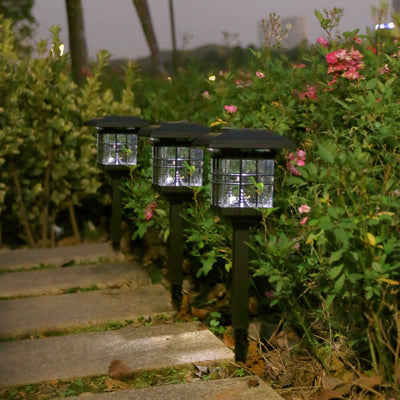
[(205, 95), (260, 75), (303, 221), (346, 63), (331, 58), (301, 158), (230, 109), (242, 84), (351, 74), (269, 294), (148, 210), (300, 66), (298, 160), (358, 40), (322, 41), (297, 246), (310, 93), (291, 168), (304, 209)]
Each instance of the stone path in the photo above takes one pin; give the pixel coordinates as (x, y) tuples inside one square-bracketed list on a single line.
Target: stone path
[(65, 297)]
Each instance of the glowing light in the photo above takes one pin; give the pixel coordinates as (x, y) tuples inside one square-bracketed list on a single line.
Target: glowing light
[(169, 79), (61, 49), (211, 78), (389, 25)]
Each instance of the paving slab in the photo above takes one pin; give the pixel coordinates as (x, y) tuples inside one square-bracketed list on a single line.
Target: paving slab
[(57, 280), (246, 388), (28, 258), (28, 316), (141, 348)]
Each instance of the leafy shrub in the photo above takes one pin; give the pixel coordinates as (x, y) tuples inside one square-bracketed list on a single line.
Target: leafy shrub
[(50, 158), (329, 250)]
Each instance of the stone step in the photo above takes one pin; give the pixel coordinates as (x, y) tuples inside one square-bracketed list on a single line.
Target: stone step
[(28, 316), (28, 258), (246, 388), (89, 354), (57, 280)]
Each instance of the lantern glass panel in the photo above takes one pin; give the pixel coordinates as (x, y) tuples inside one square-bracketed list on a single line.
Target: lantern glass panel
[(117, 149), (239, 183), (177, 166)]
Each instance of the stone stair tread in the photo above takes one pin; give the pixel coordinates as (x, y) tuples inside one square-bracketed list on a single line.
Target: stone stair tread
[(32, 315), (28, 258), (89, 354), (53, 281), (224, 389)]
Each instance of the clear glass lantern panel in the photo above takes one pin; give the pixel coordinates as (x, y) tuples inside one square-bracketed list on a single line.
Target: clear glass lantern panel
[(178, 166), (244, 183), (117, 149)]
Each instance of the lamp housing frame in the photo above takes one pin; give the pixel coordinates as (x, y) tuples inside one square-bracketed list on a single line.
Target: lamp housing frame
[(172, 148), (125, 129), (243, 145)]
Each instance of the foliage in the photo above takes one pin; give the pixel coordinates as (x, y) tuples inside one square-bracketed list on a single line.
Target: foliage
[(327, 256), (20, 15), (50, 157), (328, 251)]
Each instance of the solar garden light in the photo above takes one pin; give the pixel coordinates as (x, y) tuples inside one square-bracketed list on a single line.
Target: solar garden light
[(116, 152), (177, 168), (242, 182)]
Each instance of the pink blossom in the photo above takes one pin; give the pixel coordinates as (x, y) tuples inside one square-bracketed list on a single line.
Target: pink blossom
[(241, 84), (346, 63), (331, 58), (148, 210), (292, 169), (351, 74), (269, 294), (384, 70), (230, 109), (205, 95), (297, 246), (358, 40), (300, 66), (310, 93), (298, 159), (301, 155), (260, 75), (322, 41), (303, 221), (304, 209)]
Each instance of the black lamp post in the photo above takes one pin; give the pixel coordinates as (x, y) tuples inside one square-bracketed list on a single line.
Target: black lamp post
[(116, 152), (242, 182), (177, 168)]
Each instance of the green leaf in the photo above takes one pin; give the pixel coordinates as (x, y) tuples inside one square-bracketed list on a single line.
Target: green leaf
[(207, 265), (340, 283), (319, 16), (335, 256), (326, 223), (335, 271), (166, 234), (372, 83), (325, 153)]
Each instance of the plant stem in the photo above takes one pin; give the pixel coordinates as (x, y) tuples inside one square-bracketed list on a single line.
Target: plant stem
[(25, 221)]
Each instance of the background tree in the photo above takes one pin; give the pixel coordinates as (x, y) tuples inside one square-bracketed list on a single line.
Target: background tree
[(77, 39), (142, 8), (20, 12)]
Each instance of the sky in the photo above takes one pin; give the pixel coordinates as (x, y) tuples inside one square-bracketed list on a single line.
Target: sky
[(113, 25)]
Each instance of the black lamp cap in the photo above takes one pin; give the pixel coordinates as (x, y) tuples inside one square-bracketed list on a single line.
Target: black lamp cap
[(245, 139), (117, 122), (181, 130)]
